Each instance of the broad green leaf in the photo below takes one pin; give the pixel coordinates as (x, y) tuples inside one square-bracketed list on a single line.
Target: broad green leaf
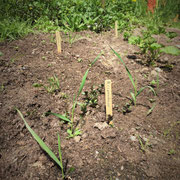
[(59, 116), (40, 142), (155, 46), (77, 132), (171, 50)]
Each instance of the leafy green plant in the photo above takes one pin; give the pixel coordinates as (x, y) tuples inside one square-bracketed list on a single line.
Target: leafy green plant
[(126, 35), (133, 81), (134, 40), (73, 131), (13, 28), (90, 98), (171, 35), (45, 147)]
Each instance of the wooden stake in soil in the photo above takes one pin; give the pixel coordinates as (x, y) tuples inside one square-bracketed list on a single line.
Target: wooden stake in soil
[(108, 96), (116, 29), (58, 41)]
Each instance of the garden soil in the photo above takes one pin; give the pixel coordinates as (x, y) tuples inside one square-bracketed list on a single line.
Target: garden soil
[(134, 146)]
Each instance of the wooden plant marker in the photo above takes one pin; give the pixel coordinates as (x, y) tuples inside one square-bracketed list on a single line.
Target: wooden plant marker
[(116, 29), (108, 97), (58, 41)]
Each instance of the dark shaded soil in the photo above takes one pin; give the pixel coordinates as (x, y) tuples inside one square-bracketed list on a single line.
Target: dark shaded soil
[(110, 153)]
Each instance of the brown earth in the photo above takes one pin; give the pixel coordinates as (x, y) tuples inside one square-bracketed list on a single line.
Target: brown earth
[(136, 147)]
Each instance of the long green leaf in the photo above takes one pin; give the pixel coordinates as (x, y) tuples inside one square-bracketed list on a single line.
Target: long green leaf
[(82, 83), (95, 59), (40, 142), (60, 155), (60, 116), (133, 97), (145, 88), (128, 72)]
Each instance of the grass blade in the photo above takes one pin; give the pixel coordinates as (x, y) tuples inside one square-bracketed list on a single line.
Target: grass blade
[(60, 116), (128, 72), (82, 83), (95, 59), (60, 155), (40, 142), (133, 97), (150, 110)]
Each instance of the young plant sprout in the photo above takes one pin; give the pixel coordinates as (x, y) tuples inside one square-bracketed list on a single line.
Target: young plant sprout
[(45, 147), (133, 81), (73, 131)]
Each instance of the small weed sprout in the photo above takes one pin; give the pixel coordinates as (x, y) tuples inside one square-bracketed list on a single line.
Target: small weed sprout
[(73, 131), (143, 145), (53, 86), (45, 147), (2, 87)]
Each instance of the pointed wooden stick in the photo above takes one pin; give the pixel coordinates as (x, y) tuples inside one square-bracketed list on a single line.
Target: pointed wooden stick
[(58, 41)]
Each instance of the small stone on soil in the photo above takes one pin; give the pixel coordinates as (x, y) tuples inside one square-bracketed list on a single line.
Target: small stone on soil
[(133, 138), (77, 139), (109, 133), (101, 126)]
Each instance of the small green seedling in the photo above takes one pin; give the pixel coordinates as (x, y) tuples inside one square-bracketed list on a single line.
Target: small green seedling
[(45, 147), (1, 54), (172, 152), (53, 86), (143, 145), (2, 87), (37, 85), (133, 81), (73, 131)]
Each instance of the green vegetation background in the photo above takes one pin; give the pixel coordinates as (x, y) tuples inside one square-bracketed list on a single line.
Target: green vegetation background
[(20, 17)]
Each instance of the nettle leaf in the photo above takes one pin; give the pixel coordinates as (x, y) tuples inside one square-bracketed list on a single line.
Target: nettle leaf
[(171, 50)]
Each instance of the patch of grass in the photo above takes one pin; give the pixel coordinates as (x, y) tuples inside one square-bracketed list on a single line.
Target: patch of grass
[(14, 28)]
